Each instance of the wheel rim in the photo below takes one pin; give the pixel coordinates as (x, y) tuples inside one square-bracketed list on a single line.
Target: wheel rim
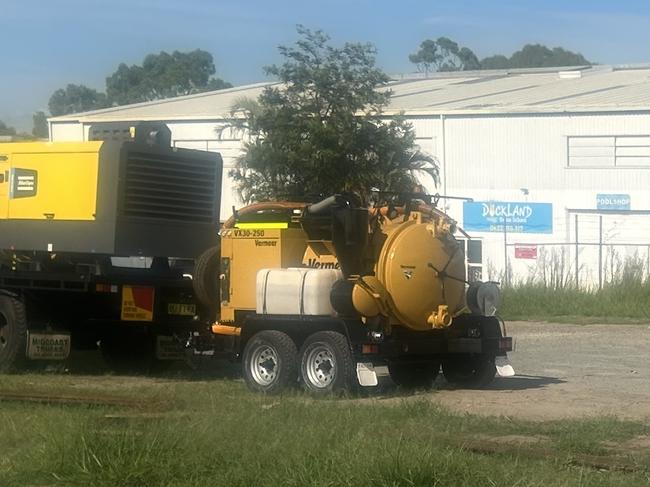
[(320, 366), (3, 331), (264, 365)]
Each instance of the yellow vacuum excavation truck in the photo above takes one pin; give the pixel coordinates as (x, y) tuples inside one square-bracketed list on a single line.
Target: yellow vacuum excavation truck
[(335, 295), (95, 240)]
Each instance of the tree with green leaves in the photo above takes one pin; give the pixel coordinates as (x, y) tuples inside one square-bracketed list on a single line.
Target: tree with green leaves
[(537, 55), (321, 130), (6, 129), (427, 57), (75, 99), (468, 59), (40, 128), (443, 54), (498, 61), (164, 75)]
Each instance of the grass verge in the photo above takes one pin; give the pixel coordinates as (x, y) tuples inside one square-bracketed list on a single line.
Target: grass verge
[(619, 303), (217, 433)]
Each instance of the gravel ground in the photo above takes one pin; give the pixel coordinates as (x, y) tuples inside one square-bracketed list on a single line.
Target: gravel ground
[(562, 371), (566, 371)]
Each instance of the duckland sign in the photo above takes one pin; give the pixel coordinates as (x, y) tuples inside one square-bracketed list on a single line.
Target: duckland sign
[(518, 217)]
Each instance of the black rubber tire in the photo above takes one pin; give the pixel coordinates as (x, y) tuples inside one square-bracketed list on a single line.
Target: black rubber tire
[(13, 334), (470, 371), (205, 280), (280, 349), (334, 345), (414, 375), (131, 353)]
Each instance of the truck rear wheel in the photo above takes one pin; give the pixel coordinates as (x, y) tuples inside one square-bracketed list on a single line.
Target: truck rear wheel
[(326, 363), (414, 375), (13, 333), (270, 362), (472, 371)]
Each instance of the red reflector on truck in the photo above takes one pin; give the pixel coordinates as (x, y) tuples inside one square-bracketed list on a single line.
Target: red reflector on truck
[(369, 348), (137, 303), (505, 344), (106, 288)]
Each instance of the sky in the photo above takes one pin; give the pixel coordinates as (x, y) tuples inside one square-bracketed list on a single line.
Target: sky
[(50, 43)]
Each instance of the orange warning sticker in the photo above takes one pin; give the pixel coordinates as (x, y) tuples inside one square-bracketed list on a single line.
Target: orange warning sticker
[(137, 303)]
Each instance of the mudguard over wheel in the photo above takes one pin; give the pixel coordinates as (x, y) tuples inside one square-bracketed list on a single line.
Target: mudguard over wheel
[(13, 333), (326, 363), (414, 375), (270, 362), (205, 280), (472, 371), (131, 353)]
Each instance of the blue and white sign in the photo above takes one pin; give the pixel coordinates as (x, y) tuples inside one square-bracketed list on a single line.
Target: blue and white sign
[(613, 201), (518, 217)]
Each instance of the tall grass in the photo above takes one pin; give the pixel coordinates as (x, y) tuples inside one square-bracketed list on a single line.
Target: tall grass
[(628, 300), (217, 433), (550, 291)]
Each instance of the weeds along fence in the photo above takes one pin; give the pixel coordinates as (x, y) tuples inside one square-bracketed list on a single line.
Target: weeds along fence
[(601, 270), (549, 288), (586, 266), (595, 250)]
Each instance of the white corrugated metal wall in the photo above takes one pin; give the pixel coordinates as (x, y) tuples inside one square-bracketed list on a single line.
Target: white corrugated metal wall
[(501, 157)]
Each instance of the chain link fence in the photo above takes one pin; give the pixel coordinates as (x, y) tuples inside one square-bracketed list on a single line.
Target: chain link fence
[(585, 266), (600, 249)]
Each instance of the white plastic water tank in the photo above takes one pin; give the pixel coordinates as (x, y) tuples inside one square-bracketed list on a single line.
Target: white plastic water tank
[(295, 291)]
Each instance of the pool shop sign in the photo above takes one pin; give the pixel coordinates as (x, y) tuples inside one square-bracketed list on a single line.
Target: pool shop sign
[(516, 217)]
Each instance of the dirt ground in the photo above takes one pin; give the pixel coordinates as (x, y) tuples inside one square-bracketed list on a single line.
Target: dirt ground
[(566, 371), (562, 371)]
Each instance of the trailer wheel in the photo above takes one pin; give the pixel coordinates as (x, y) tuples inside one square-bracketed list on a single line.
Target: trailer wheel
[(13, 333), (205, 280), (270, 362), (414, 375), (326, 363), (472, 371)]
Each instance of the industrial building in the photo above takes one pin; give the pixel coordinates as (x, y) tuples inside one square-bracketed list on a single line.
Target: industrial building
[(556, 161)]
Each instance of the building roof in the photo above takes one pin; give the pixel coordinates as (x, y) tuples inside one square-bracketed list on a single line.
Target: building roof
[(540, 90)]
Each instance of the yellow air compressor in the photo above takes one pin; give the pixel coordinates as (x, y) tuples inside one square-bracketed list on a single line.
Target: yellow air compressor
[(132, 196)]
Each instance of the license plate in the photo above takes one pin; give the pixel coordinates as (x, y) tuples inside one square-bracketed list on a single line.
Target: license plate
[(48, 346), (168, 348), (180, 309)]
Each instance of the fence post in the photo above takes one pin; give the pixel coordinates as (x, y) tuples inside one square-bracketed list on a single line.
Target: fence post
[(505, 252), (577, 280), (600, 251)]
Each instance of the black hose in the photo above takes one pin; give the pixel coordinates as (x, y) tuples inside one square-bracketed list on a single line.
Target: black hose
[(324, 206)]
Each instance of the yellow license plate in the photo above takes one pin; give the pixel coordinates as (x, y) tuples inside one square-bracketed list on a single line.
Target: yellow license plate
[(179, 309)]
